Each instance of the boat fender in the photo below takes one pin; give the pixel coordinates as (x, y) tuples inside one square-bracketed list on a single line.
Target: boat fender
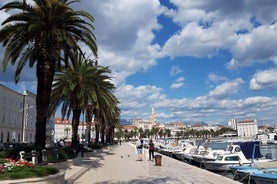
[(237, 149)]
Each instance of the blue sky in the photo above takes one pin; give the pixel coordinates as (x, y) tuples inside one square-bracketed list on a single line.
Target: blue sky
[(205, 60)]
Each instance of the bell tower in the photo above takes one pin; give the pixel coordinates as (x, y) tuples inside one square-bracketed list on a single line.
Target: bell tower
[(153, 116)]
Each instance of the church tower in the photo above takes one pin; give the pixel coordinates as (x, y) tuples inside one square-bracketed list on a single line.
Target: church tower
[(153, 116)]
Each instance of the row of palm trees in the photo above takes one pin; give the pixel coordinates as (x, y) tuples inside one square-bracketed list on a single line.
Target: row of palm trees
[(166, 133), (50, 35)]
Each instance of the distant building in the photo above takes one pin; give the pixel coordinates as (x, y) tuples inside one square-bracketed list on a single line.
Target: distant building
[(146, 124), (129, 127), (247, 128), (232, 124), (63, 130), (197, 126)]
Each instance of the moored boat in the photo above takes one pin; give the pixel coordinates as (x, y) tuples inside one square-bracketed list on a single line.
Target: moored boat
[(224, 161), (258, 175), (268, 177)]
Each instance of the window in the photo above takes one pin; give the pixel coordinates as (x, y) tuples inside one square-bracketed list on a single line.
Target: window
[(232, 158), (2, 137), (8, 137)]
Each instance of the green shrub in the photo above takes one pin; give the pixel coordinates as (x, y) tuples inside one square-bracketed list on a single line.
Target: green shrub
[(28, 172), (69, 152), (97, 145), (4, 154)]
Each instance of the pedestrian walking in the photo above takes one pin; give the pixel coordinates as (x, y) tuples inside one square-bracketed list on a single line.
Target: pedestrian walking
[(139, 146), (151, 149)]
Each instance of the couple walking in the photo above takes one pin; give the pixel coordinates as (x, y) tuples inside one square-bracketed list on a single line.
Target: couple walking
[(139, 147)]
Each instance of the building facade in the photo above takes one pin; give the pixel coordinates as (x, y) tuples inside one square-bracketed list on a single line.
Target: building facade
[(247, 128), (18, 117), (63, 130), (146, 124)]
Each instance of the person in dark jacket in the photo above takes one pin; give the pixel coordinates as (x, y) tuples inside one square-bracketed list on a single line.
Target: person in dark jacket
[(151, 149)]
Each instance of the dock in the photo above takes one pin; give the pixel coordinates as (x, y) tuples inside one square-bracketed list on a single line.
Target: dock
[(118, 165)]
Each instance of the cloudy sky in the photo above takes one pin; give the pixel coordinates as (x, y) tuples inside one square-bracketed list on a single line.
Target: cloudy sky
[(205, 60)]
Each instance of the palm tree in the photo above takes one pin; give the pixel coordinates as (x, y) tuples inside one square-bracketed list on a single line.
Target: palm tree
[(75, 87), (167, 132), (140, 130), (44, 33), (106, 113)]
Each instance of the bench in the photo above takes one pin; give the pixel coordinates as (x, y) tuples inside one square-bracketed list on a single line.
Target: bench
[(33, 155)]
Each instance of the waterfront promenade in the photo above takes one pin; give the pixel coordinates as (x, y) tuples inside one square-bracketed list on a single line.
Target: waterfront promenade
[(118, 165)]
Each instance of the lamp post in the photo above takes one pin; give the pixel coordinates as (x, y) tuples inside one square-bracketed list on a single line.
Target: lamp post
[(25, 116)]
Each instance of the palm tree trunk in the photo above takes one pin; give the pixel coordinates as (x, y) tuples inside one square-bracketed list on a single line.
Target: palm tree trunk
[(97, 130), (110, 134), (45, 74), (75, 125), (88, 121), (103, 127)]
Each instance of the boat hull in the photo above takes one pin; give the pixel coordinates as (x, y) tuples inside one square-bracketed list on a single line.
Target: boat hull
[(264, 178), (218, 166)]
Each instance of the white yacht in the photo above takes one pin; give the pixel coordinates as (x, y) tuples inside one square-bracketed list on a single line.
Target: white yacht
[(224, 161)]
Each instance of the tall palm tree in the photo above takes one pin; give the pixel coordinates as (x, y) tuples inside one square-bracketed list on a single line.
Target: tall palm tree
[(75, 87), (43, 33), (113, 122), (106, 113)]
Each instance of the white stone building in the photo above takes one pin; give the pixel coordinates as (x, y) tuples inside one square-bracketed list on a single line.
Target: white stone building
[(63, 130), (146, 124), (18, 116), (247, 128), (233, 124)]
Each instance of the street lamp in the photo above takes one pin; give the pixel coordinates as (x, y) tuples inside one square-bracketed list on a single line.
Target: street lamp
[(25, 116)]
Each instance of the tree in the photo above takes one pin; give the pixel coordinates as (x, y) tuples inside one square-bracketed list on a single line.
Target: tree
[(155, 132), (75, 87), (167, 132), (105, 106), (140, 130), (45, 33)]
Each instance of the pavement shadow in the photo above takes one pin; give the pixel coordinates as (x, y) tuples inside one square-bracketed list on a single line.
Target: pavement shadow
[(90, 159)]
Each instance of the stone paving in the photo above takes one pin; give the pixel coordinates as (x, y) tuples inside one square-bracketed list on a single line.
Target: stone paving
[(118, 165)]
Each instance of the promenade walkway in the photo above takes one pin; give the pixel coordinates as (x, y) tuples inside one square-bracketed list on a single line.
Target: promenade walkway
[(118, 165)]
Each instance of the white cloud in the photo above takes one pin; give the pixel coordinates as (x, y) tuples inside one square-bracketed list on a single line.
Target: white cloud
[(192, 40), (124, 36), (178, 83), (266, 79), (215, 78), (226, 89), (212, 25), (175, 70), (255, 47)]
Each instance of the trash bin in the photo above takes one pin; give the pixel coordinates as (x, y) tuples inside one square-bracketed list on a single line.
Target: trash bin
[(158, 160)]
